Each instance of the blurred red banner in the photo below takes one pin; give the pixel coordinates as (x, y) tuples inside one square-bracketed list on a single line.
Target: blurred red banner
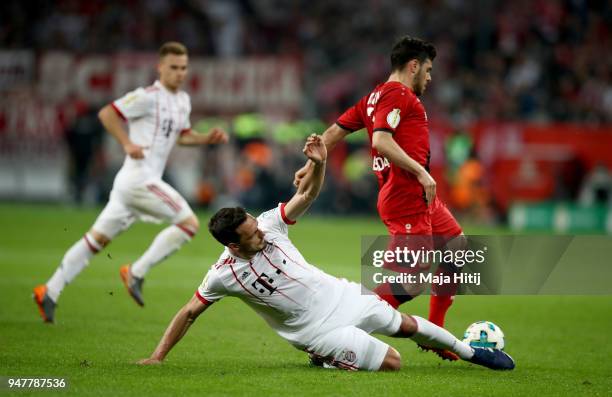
[(532, 162)]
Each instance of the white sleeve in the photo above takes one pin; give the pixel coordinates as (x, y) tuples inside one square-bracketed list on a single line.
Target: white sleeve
[(211, 289), (187, 122), (134, 104), (275, 220)]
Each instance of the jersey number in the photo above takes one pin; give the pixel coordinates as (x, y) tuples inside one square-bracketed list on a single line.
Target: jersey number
[(373, 98), (167, 127)]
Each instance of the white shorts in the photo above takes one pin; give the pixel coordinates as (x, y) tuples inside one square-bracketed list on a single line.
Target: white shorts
[(345, 341), (155, 201)]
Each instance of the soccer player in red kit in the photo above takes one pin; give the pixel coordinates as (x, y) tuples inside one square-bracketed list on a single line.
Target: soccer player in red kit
[(397, 125)]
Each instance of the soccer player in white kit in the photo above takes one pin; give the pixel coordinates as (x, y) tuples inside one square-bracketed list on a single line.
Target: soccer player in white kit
[(327, 317), (157, 117)]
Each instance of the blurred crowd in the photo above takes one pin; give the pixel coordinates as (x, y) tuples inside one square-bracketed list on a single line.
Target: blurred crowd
[(535, 60), (524, 60)]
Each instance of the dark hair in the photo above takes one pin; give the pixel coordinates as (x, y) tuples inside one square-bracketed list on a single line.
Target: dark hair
[(172, 47), (408, 48), (224, 223)]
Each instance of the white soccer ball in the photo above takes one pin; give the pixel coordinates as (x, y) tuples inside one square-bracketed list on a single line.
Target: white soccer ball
[(484, 334)]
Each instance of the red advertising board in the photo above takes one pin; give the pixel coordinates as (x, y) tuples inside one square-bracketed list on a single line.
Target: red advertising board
[(530, 162)]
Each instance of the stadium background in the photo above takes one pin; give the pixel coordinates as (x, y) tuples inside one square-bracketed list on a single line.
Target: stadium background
[(521, 128), (521, 93)]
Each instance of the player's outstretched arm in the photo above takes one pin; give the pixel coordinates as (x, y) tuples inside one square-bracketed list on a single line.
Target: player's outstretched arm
[(384, 144), (310, 185), (213, 137), (175, 331), (114, 125), (331, 137)]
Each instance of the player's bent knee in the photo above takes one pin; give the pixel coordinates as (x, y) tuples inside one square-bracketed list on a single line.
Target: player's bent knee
[(100, 238), (392, 361)]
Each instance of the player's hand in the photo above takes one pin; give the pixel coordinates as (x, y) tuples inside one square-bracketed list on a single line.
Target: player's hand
[(216, 136), (429, 184), (149, 361), (300, 174), (134, 151), (315, 149)]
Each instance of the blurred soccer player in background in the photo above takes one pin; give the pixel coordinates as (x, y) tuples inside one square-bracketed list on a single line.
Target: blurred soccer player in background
[(157, 117), (397, 126)]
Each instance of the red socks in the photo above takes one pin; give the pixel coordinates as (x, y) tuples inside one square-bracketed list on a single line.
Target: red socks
[(438, 306), (385, 293)]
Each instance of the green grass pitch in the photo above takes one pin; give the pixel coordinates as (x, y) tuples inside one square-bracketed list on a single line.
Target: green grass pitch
[(561, 344)]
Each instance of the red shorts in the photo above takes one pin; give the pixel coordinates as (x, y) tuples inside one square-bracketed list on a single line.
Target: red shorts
[(437, 221), (426, 230), (412, 232)]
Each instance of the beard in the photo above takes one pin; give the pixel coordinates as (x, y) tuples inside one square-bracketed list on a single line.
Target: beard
[(418, 89), (420, 82), (419, 85)]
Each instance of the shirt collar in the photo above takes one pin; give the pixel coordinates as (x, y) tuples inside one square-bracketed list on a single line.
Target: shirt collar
[(159, 85)]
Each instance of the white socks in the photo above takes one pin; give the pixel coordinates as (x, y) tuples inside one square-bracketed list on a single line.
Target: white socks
[(429, 334), (74, 261), (165, 244), (77, 257)]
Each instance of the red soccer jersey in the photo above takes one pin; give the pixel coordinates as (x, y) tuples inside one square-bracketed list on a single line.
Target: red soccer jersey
[(394, 108)]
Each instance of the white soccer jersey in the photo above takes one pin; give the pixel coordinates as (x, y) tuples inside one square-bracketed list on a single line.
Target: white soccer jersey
[(294, 297), (156, 117)]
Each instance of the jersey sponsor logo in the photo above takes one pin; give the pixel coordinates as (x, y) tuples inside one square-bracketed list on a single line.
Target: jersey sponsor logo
[(244, 275), (393, 118), (380, 163), (264, 283)]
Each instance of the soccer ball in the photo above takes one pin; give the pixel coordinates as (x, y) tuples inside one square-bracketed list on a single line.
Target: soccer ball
[(484, 334)]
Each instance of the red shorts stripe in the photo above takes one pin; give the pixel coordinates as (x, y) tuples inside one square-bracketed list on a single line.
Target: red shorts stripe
[(118, 111), (164, 197), (202, 299), (187, 231), (346, 366), (171, 201)]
